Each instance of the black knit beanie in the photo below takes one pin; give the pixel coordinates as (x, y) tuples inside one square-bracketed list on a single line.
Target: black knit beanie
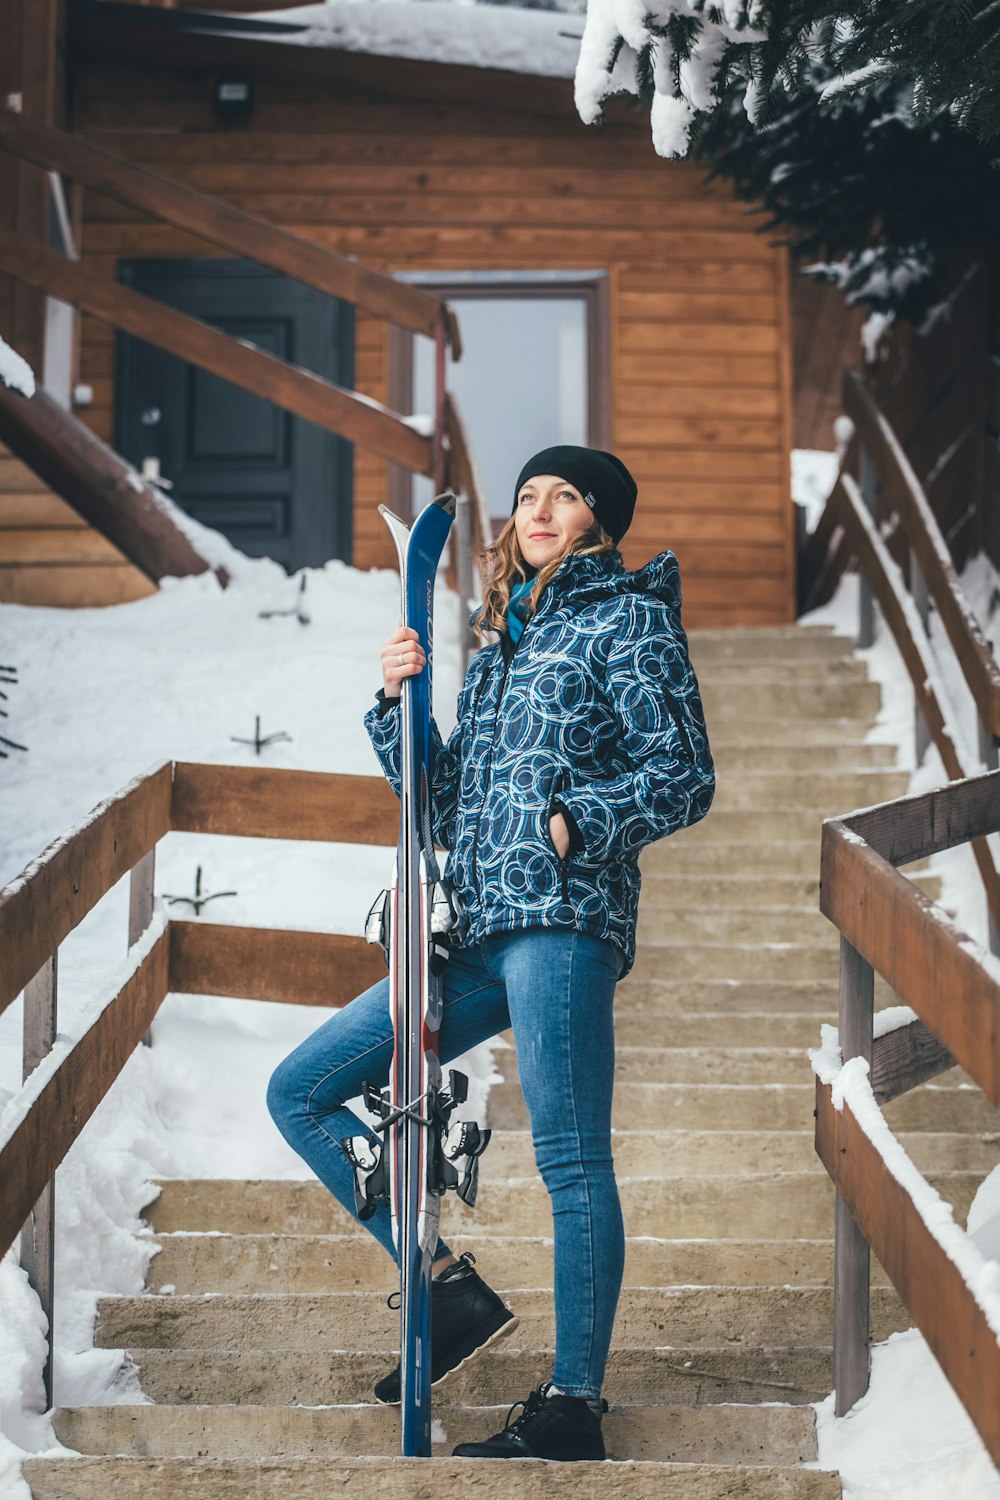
[(602, 479)]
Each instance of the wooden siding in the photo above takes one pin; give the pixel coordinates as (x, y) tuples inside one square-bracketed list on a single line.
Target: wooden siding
[(701, 398)]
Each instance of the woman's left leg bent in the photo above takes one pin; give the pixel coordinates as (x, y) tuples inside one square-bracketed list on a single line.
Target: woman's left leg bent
[(560, 992)]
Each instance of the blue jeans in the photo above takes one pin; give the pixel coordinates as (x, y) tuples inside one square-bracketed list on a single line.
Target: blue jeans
[(556, 990)]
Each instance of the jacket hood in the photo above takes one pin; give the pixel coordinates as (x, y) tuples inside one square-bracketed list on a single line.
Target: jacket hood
[(586, 579)]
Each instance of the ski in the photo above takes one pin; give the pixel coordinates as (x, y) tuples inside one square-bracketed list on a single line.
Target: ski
[(414, 1154), (415, 962)]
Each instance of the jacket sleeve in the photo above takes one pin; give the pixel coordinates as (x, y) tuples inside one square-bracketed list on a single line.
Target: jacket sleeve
[(382, 722), (653, 693)]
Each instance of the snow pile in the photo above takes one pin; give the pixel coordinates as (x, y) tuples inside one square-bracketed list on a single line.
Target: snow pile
[(542, 44), (15, 371), (813, 473), (108, 694)]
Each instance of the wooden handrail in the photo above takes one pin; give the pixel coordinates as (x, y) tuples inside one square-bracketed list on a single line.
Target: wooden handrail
[(929, 547), (100, 485), (903, 618), (464, 474), (56, 891), (232, 228), (330, 406), (952, 984)]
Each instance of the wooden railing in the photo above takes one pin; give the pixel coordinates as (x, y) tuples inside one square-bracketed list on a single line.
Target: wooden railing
[(42, 906), (357, 418), (473, 527), (952, 984), (847, 529)]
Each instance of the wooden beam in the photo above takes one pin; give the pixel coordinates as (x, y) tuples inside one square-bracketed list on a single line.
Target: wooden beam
[(925, 823), (298, 391), (255, 963), (949, 980), (33, 1151), (930, 548), (931, 1286), (100, 485), (905, 1057), (212, 219), (265, 802), (57, 890)]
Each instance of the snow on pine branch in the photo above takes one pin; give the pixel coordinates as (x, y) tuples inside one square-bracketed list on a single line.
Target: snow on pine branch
[(678, 53), (15, 371)]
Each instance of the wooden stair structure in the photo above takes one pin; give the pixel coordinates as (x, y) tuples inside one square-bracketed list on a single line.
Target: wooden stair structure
[(260, 1358)]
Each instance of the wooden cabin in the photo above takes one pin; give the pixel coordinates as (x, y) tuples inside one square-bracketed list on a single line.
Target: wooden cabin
[(605, 296)]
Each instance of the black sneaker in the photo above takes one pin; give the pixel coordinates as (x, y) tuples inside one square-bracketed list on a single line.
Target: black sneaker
[(560, 1427), (467, 1317)]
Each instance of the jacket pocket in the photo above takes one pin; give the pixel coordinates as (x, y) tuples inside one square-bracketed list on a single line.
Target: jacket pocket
[(560, 781), (677, 715)]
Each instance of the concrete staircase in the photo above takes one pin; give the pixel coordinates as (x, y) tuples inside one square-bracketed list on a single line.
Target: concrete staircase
[(270, 1326)]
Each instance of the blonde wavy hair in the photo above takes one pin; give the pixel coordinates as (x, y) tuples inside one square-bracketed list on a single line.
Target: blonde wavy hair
[(503, 567)]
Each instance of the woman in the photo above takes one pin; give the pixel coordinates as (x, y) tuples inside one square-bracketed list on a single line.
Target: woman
[(580, 739)]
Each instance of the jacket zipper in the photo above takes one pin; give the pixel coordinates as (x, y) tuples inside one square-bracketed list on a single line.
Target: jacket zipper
[(675, 714), (489, 765)]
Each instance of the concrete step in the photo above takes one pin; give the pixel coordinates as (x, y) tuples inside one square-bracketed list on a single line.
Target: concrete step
[(412, 1479), (191, 1262), (712, 1029), (717, 922), (757, 727), (780, 642), (737, 1205), (705, 1106), (791, 961), (679, 856), (767, 673), (761, 790), (733, 755), (326, 1321), (740, 825), (744, 996), (680, 1374), (721, 1434), (663, 893), (718, 1065), (791, 696)]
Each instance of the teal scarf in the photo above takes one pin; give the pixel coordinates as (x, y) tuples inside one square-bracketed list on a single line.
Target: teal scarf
[(516, 611)]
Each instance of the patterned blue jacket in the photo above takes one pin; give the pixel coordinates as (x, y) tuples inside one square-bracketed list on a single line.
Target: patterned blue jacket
[(596, 713)]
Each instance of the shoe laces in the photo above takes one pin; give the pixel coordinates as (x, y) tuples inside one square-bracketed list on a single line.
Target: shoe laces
[(533, 1404)]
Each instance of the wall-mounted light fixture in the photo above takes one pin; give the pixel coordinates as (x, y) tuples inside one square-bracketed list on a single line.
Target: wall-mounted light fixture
[(233, 96)]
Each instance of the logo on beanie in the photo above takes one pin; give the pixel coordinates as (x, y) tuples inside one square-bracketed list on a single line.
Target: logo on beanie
[(590, 499)]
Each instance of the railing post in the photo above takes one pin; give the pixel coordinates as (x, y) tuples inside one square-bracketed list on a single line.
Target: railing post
[(463, 575), (921, 598), (852, 1257), (868, 483), (37, 1247), (439, 458), (140, 906)]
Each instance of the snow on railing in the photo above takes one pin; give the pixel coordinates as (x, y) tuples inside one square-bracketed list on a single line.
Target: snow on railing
[(949, 987)]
